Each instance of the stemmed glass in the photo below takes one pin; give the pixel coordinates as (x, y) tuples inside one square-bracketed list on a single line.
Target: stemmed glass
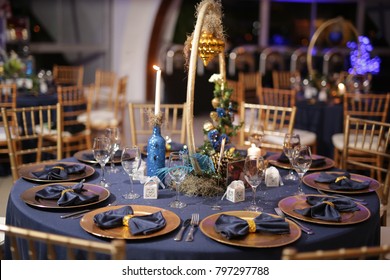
[(301, 162), (253, 172), (114, 135), (177, 165), (290, 141), (101, 152), (131, 161)]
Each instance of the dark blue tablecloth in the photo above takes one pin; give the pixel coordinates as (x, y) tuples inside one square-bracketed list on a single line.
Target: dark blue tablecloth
[(164, 247), (322, 118)]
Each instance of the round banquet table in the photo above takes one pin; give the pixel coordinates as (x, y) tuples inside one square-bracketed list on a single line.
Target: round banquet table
[(164, 247)]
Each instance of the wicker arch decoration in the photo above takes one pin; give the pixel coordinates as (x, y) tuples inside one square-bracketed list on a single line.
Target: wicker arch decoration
[(208, 37), (337, 20)]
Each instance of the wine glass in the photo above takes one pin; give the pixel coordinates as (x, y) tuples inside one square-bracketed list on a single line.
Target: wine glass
[(290, 141), (301, 161), (177, 165), (131, 161), (114, 135), (101, 152), (253, 173)]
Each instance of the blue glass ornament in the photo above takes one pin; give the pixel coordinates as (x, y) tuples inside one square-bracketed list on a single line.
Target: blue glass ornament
[(156, 152)]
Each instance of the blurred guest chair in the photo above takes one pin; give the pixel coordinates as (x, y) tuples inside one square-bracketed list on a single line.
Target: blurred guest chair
[(68, 75)]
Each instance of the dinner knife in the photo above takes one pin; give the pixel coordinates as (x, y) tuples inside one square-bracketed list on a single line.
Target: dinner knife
[(75, 213), (179, 235)]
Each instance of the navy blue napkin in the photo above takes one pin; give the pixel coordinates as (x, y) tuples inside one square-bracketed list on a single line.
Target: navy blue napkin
[(145, 224), (341, 181), (67, 196), (174, 146), (327, 208), (316, 161), (231, 227), (283, 158), (59, 171)]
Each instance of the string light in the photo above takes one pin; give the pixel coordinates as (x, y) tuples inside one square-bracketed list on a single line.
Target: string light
[(363, 64)]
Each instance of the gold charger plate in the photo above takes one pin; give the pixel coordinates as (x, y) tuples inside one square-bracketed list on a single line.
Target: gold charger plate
[(79, 157), (87, 223), (28, 196), (26, 172), (253, 240), (310, 181), (273, 159), (288, 204)]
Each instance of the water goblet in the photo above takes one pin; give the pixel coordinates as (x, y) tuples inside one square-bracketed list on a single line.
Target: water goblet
[(101, 152), (290, 141), (253, 172), (114, 135), (301, 162), (131, 161), (177, 165)]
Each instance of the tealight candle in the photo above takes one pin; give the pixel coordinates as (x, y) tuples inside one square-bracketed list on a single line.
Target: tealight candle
[(341, 88), (158, 90), (254, 151)]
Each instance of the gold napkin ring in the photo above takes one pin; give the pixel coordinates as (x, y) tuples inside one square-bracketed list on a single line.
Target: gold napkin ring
[(126, 219), (58, 167), (252, 225), (329, 203), (340, 178), (66, 190)]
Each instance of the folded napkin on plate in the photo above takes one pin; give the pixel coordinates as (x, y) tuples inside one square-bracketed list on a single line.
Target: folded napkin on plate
[(123, 216), (59, 171), (341, 181), (174, 146), (234, 227), (283, 158), (327, 208), (67, 196), (317, 161)]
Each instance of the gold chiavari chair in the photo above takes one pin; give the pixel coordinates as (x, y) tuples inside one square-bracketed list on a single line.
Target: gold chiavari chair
[(273, 122), (249, 86), (105, 89), (7, 100), (32, 124), (363, 252), (367, 138), (21, 238), (173, 126), (284, 79), (65, 75), (287, 98), (367, 106)]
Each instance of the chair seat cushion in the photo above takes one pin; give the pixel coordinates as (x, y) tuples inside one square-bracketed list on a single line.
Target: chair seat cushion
[(2, 134), (307, 137), (338, 141), (100, 118), (2, 221)]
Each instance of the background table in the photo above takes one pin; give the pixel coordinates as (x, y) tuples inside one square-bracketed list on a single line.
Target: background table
[(164, 247)]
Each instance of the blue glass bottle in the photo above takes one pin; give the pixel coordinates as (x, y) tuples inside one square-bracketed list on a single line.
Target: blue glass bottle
[(156, 152)]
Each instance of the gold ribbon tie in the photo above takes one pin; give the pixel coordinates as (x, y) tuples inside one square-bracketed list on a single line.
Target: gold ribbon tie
[(126, 219), (252, 225), (329, 203), (66, 190), (340, 178)]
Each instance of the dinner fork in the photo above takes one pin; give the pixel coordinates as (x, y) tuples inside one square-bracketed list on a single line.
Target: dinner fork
[(303, 228), (194, 223), (360, 200)]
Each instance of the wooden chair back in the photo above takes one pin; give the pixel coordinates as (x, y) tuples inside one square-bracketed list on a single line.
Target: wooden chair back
[(249, 86), (273, 122), (74, 102), (363, 252), (284, 79), (277, 97), (42, 245), (365, 138), (32, 125), (105, 89), (237, 94), (173, 126), (7, 100), (68, 75)]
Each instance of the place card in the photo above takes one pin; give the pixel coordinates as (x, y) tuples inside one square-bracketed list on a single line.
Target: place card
[(272, 177)]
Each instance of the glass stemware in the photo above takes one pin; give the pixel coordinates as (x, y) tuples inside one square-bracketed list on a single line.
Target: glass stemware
[(290, 141), (301, 162), (101, 152), (131, 161), (177, 171), (253, 173), (114, 135)]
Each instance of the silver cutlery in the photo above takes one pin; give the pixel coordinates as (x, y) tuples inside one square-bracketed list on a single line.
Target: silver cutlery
[(194, 223), (179, 235), (75, 213), (305, 229), (360, 200)]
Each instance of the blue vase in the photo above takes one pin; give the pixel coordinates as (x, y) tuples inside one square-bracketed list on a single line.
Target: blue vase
[(156, 152)]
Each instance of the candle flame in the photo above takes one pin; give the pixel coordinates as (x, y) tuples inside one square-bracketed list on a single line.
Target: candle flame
[(155, 67)]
